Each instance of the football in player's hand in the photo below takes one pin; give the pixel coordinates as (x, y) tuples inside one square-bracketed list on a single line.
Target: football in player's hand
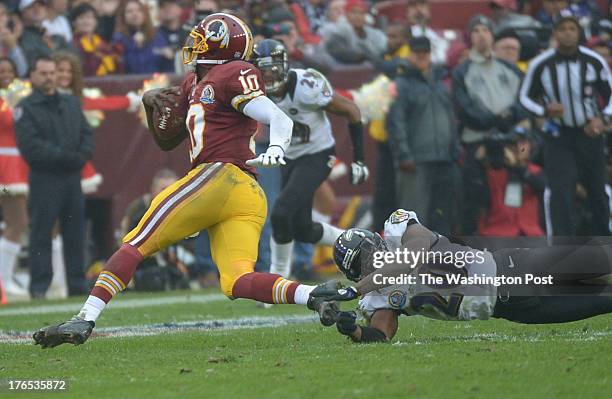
[(170, 121)]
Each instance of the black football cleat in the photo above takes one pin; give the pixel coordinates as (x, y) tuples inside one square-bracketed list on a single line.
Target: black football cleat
[(328, 311), (75, 331)]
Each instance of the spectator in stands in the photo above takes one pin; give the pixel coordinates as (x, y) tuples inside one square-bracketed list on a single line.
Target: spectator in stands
[(9, 41), (549, 9), (513, 186), (107, 17), (398, 48), (99, 58), (310, 15), (385, 197), (34, 41), (201, 9), (485, 89), (602, 28), (136, 36), (335, 10), (587, 12), (55, 140), (56, 22), (507, 47), (424, 140), (419, 17), (505, 16), (170, 24), (353, 41), (601, 47), (316, 11)]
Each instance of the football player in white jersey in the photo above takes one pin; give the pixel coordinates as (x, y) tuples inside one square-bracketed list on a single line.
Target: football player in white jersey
[(561, 295), (305, 96)]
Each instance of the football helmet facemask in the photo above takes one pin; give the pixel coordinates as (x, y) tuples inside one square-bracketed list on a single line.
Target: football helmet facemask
[(270, 56), (354, 252), (217, 39)]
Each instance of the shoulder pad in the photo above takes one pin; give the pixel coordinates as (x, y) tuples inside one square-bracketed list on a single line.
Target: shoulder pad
[(312, 88)]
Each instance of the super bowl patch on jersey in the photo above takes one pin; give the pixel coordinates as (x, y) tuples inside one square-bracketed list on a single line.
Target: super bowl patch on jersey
[(397, 299), (208, 95), (401, 215)]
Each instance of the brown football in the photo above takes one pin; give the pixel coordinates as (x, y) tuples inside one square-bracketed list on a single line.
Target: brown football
[(171, 121)]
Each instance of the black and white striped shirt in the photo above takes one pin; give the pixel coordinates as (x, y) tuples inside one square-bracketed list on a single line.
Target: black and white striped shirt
[(580, 83)]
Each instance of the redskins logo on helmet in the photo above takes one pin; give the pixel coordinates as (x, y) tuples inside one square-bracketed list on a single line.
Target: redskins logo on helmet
[(217, 39)]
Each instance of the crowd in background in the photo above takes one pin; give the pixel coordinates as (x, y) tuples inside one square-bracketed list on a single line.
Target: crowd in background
[(455, 140)]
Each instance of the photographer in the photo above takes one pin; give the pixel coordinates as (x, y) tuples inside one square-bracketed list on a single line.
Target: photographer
[(35, 40), (513, 186)]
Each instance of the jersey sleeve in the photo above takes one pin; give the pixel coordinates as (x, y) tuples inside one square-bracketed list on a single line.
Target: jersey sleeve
[(187, 86), (314, 89), (242, 83)]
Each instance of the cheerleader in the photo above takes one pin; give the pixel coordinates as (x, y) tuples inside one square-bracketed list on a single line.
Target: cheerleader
[(13, 188)]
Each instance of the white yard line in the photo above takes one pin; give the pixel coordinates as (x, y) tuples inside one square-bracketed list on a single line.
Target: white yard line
[(116, 304), (25, 337)]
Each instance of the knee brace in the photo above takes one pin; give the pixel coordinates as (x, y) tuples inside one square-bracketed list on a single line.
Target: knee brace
[(310, 233), (280, 219)]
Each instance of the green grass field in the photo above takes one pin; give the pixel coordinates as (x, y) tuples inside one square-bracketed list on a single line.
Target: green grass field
[(241, 351)]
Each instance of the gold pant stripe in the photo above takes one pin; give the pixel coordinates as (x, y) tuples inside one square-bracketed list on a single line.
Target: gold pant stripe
[(165, 208)]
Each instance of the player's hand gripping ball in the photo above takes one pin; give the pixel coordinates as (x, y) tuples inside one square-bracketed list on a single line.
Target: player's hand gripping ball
[(169, 112)]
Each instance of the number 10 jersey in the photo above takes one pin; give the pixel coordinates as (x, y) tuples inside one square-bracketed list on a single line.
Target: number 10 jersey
[(218, 130)]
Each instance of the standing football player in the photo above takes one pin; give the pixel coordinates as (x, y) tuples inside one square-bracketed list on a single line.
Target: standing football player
[(305, 96), (566, 273), (225, 98)]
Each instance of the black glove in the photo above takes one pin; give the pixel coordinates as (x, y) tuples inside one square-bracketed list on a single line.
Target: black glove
[(504, 122), (346, 322)]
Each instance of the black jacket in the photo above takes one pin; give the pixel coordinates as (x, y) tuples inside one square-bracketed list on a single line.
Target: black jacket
[(421, 122), (52, 132)]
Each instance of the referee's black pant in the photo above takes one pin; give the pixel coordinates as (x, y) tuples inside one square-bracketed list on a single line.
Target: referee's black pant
[(570, 158), (56, 196)]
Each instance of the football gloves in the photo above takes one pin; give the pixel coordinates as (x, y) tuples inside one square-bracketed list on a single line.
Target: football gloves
[(359, 173), (346, 322), (274, 156)]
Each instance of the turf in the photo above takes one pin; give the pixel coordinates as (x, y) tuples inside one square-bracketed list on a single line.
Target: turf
[(432, 359)]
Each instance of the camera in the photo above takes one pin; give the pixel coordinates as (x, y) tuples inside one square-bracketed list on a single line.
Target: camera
[(498, 140)]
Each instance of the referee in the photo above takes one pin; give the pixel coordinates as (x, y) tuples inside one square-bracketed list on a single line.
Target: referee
[(568, 86)]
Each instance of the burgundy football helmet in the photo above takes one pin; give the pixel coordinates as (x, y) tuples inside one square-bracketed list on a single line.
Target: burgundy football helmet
[(217, 39)]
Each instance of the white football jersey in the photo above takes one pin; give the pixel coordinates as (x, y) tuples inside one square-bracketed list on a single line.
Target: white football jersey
[(451, 302), (304, 104)]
